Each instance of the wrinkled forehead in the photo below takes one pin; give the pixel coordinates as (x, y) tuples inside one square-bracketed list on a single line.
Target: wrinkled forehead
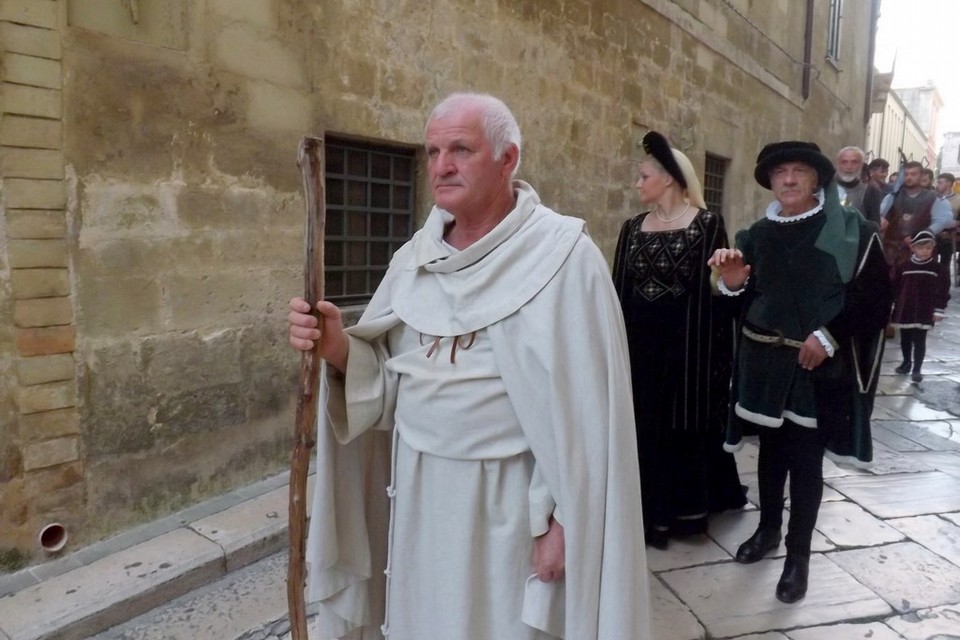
[(850, 156), (792, 166)]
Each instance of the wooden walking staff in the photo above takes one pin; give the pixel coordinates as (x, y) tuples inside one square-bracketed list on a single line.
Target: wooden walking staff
[(310, 161)]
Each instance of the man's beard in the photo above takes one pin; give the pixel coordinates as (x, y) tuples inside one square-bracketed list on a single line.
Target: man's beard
[(848, 177)]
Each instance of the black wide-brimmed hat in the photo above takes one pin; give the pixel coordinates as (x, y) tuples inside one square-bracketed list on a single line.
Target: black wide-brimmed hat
[(777, 153), (656, 145)]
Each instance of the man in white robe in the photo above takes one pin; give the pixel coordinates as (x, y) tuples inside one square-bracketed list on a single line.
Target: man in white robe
[(477, 473)]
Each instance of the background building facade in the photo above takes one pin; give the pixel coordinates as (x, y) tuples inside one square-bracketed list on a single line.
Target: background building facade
[(151, 220), (894, 128)]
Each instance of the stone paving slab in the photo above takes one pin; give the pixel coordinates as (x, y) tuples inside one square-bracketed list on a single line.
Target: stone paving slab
[(113, 589), (772, 635), (730, 529), (922, 433), (731, 599), (686, 552), (748, 456), (935, 533), (672, 620), (910, 408), (905, 574), (953, 517), (939, 623), (895, 496), (895, 386), (892, 440), (886, 460), (846, 524), (868, 631)]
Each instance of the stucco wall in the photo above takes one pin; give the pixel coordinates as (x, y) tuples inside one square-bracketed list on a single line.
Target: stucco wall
[(181, 215)]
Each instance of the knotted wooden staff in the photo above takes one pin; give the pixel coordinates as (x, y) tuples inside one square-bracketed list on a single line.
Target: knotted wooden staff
[(310, 161)]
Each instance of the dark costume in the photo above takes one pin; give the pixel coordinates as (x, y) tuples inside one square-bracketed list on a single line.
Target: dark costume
[(815, 275), (908, 216), (921, 289), (680, 335), (862, 196), (795, 288)]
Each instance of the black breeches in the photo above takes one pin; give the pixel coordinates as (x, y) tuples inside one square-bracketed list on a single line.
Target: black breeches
[(913, 342), (798, 452)]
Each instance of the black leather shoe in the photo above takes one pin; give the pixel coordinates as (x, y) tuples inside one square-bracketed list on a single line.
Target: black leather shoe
[(658, 538), (762, 542), (903, 369), (793, 581)]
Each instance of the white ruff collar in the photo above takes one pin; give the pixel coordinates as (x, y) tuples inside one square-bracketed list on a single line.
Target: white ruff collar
[(774, 209)]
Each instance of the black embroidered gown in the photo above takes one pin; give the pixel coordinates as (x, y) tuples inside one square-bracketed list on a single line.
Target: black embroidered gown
[(680, 335)]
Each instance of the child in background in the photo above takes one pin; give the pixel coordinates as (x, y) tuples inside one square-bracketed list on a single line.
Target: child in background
[(921, 289)]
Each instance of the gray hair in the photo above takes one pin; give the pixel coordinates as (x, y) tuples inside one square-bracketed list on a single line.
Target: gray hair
[(499, 125), (858, 151)]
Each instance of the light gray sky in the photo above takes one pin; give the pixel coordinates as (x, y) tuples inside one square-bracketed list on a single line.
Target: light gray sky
[(924, 35)]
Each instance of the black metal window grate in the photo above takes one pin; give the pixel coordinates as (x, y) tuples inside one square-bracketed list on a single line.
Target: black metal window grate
[(370, 200), (714, 173), (833, 30)]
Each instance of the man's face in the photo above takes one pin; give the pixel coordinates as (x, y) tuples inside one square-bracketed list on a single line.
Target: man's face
[(849, 166), (923, 250), (926, 180), (944, 186), (911, 177), (464, 176), (793, 185), (879, 175)]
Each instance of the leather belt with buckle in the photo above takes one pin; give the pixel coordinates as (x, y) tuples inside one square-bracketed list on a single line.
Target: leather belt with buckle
[(775, 340)]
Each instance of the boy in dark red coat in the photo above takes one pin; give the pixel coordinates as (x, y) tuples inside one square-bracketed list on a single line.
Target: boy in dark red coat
[(921, 290)]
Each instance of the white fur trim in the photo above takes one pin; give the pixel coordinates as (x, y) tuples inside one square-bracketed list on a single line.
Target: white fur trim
[(803, 421), (733, 447), (757, 418)]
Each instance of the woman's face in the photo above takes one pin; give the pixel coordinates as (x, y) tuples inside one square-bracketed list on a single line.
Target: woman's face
[(652, 182)]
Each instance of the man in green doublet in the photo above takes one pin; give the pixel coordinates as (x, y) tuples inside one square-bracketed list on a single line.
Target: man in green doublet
[(815, 296)]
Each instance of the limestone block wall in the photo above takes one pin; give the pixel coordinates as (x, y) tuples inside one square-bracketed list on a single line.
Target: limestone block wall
[(152, 220)]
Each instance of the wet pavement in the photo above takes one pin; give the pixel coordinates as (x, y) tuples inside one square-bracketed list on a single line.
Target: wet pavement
[(885, 563), (886, 550)]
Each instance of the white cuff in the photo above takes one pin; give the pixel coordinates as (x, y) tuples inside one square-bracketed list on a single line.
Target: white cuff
[(729, 292), (827, 345)]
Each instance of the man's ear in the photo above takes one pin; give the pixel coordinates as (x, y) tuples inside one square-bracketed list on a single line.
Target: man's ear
[(510, 157)]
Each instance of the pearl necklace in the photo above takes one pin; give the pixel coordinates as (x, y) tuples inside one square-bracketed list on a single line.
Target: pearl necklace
[(657, 211)]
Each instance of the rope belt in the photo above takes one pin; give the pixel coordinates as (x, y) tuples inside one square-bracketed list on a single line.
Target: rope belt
[(776, 340)]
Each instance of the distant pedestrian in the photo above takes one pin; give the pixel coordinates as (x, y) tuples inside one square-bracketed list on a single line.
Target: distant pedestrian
[(862, 196), (879, 169), (926, 178), (908, 210), (946, 241), (921, 291)]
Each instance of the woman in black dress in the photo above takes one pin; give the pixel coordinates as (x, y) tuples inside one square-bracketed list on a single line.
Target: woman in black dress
[(680, 333)]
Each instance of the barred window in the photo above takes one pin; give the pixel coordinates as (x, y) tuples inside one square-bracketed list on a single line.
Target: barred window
[(833, 30), (714, 173), (370, 200)]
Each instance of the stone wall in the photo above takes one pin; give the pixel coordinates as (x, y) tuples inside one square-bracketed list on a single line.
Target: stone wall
[(164, 220)]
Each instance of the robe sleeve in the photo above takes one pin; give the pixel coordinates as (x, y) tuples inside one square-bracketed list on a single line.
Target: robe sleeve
[(365, 396), (943, 289), (542, 504)]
